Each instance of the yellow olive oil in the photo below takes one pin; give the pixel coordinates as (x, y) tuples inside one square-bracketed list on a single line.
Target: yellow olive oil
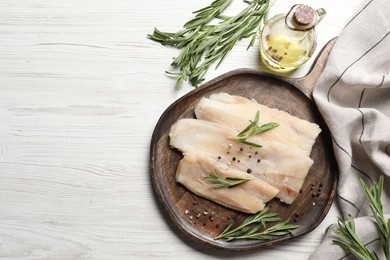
[(288, 41)]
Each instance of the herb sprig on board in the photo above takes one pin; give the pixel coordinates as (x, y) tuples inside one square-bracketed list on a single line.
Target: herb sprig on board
[(347, 236), (247, 229), (218, 181), (203, 43), (256, 129)]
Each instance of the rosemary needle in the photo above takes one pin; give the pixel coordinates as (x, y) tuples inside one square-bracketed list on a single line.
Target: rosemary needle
[(373, 196), (203, 43), (349, 240), (217, 181), (256, 129), (347, 237), (246, 230)]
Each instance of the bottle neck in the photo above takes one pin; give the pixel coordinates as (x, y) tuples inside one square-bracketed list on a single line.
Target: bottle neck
[(303, 18)]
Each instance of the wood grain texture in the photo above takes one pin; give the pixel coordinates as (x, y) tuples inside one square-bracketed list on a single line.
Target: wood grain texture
[(275, 93), (81, 89)]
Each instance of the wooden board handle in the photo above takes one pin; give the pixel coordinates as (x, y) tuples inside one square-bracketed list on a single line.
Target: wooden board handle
[(306, 83)]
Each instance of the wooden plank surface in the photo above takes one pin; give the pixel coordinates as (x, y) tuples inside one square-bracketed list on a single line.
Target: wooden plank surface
[(81, 89)]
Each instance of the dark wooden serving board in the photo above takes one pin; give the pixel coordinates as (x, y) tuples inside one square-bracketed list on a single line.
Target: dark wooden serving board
[(201, 219)]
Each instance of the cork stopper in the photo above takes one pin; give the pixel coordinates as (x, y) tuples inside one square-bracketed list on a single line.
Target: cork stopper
[(304, 15)]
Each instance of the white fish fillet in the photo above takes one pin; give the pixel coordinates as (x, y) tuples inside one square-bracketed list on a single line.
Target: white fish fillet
[(236, 111), (249, 197), (284, 167)]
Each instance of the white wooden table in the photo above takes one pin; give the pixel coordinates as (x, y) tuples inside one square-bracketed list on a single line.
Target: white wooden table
[(81, 89)]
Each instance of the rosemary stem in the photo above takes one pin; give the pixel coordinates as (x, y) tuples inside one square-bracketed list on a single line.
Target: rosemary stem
[(203, 44)]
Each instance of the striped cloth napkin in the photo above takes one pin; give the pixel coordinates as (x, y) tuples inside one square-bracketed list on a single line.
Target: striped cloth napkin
[(353, 96)]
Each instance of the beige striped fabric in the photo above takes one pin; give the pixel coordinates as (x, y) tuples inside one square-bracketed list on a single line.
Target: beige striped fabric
[(353, 95)]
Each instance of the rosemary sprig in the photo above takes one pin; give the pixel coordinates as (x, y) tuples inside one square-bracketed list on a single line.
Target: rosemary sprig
[(206, 14), (373, 196), (349, 240), (256, 129), (203, 44), (191, 28), (245, 231), (217, 181)]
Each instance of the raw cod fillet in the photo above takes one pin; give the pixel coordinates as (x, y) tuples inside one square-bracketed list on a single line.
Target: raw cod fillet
[(284, 167), (236, 111), (249, 197)]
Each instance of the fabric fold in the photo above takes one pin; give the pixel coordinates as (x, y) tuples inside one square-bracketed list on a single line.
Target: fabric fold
[(353, 96)]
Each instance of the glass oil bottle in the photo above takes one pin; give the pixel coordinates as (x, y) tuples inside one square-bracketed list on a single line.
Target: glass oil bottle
[(289, 40)]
